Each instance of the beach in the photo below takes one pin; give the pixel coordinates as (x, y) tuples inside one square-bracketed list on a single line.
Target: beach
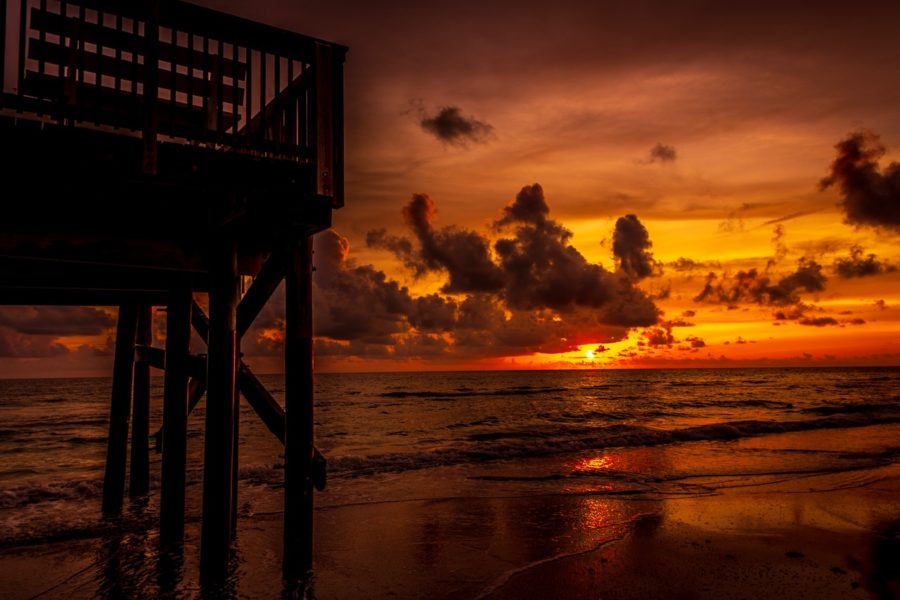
[(812, 511)]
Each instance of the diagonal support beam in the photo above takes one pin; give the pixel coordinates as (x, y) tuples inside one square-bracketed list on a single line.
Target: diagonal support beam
[(264, 285), (259, 398)]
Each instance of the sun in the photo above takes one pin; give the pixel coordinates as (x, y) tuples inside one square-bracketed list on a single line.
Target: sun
[(589, 354)]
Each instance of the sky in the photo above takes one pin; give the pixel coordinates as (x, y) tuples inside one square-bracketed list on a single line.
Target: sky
[(586, 184)]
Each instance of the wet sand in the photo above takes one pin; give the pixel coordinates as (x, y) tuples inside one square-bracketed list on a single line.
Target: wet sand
[(825, 536)]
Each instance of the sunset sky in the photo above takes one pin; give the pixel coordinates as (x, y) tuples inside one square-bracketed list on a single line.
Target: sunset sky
[(495, 152)]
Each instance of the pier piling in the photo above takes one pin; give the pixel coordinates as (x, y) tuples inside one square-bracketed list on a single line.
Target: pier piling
[(140, 423), (120, 409), (298, 409), (175, 413), (218, 467)]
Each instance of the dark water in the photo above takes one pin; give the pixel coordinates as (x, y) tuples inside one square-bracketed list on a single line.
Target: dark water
[(389, 437)]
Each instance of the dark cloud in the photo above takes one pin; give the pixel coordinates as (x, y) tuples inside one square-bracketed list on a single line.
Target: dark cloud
[(659, 336), (450, 126), (542, 270), (818, 321), (19, 345), (857, 265), (56, 320), (869, 196), (778, 245), (662, 153), (631, 247), (463, 254), (695, 341), (788, 217), (529, 207), (751, 286), (356, 302), (688, 264)]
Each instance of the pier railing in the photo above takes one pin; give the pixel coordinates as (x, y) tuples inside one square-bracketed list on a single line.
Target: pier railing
[(171, 71)]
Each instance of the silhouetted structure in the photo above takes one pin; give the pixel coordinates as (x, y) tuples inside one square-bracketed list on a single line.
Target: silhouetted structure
[(155, 149)]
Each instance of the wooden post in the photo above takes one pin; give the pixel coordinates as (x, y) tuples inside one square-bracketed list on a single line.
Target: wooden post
[(120, 409), (175, 412), (298, 392), (140, 424), (218, 465)]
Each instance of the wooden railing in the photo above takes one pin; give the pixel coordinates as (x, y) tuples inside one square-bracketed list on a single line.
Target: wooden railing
[(175, 72)]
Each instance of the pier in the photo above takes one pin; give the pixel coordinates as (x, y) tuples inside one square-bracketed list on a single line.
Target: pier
[(152, 153)]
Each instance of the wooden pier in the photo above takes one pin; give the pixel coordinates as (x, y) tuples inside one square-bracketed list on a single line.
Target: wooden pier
[(150, 152)]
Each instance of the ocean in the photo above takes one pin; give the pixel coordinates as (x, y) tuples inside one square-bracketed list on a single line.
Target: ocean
[(629, 439)]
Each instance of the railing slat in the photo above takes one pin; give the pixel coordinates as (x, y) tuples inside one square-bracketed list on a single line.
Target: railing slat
[(23, 32)]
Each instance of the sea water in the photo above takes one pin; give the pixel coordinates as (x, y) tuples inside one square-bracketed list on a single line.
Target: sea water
[(395, 437)]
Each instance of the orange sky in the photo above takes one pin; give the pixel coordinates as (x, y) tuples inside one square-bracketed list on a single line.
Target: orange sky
[(743, 103)]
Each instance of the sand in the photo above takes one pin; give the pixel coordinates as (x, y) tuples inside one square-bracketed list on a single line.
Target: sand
[(826, 536)]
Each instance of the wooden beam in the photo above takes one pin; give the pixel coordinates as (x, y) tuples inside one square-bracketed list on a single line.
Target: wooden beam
[(175, 405), (215, 540), (140, 424), (298, 438), (264, 285), (156, 358), (120, 409), (63, 296)]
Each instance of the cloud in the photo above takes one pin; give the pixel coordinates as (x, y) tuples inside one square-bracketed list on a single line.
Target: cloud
[(659, 336), (662, 153), (683, 264), (818, 321), (18, 345), (869, 196), (855, 265), (463, 254), (56, 320), (788, 217), (751, 286), (631, 247), (543, 271), (779, 246), (451, 127)]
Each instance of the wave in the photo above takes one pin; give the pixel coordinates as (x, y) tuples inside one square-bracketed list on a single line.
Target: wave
[(529, 443), (842, 409), (487, 446)]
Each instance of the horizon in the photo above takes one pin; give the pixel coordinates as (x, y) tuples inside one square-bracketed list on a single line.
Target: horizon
[(159, 376)]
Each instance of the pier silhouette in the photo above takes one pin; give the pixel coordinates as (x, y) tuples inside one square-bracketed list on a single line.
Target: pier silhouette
[(155, 150)]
